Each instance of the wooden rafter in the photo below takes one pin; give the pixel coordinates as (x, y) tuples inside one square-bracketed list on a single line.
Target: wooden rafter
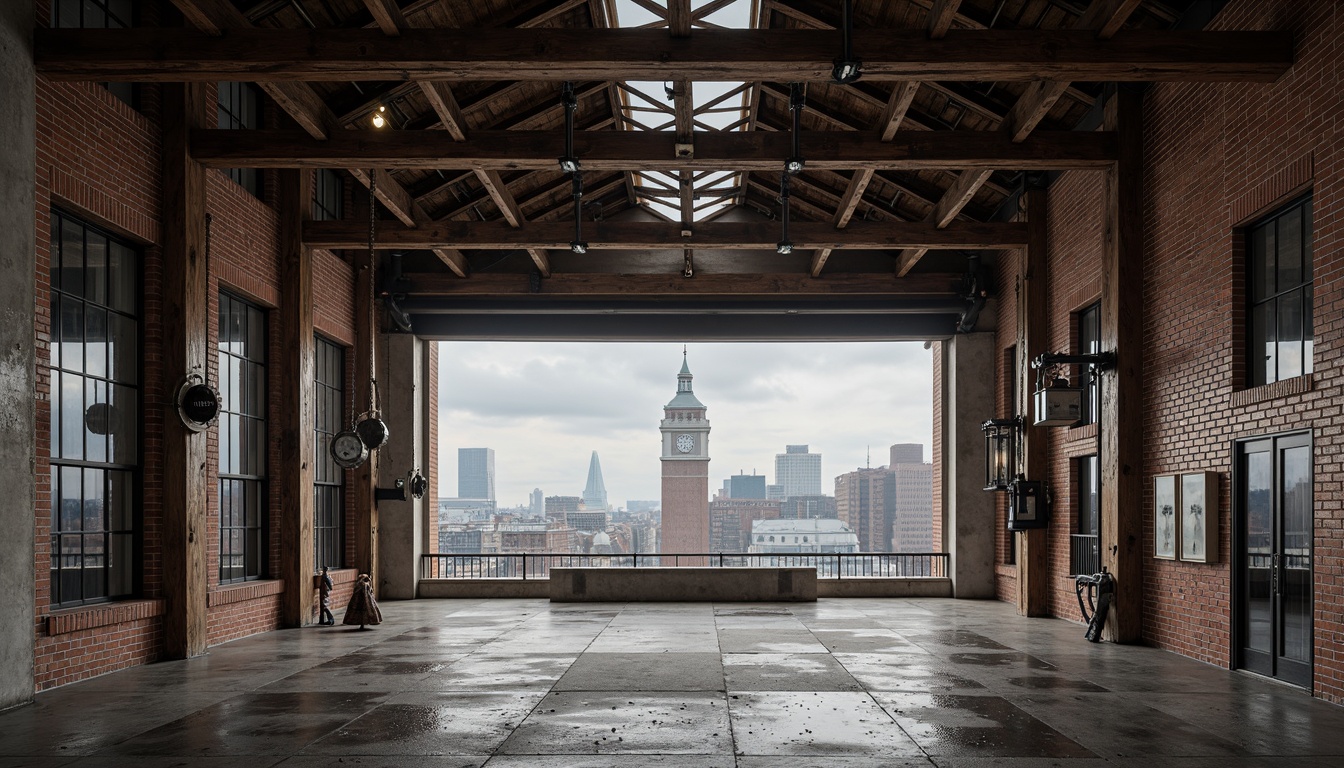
[(763, 285), (902, 96), (444, 103), (1103, 19), (281, 55), (618, 151), (641, 235)]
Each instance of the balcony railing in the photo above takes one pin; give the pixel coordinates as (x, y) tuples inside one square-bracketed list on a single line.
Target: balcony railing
[(1084, 554), (849, 565)]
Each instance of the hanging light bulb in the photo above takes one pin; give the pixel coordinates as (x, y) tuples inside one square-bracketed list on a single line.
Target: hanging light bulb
[(378, 120)]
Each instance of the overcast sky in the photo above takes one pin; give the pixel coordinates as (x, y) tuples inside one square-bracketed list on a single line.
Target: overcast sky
[(545, 407)]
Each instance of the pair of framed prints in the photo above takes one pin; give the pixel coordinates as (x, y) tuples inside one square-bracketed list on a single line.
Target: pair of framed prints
[(1185, 517)]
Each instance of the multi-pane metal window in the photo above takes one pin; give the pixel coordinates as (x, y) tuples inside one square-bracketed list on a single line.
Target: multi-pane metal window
[(99, 14), (1281, 331), (95, 412), (1085, 543), (328, 195), (1089, 343), (242, 440), (240, 109), (328, 479)]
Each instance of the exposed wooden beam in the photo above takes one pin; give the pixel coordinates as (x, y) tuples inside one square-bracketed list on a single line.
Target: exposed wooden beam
[(278, 55), (656, 235), (1103, 19), (653, 151), (592, 285), (186, 311), (898, 104)]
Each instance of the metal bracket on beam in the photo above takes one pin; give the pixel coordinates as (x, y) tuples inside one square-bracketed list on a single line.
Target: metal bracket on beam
[(1100, 361), (685, 150)]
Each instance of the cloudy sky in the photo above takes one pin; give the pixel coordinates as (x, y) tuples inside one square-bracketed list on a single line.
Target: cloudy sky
[(545, 407)]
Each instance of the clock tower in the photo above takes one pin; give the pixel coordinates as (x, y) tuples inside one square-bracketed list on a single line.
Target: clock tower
[(685, 432)]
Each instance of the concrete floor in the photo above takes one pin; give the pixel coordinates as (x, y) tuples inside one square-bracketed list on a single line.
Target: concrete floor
[(838, 683)]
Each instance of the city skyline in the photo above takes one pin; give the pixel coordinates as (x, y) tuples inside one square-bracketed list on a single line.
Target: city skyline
[(545, 407)]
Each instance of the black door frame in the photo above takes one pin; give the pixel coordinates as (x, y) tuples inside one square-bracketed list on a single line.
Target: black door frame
[(1236, 559)]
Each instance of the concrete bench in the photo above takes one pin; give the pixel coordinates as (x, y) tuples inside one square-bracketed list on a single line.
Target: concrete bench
[(576, 585)]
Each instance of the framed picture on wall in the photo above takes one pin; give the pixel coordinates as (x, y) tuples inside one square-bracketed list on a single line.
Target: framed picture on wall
[(1166, 528), (1198, 497)]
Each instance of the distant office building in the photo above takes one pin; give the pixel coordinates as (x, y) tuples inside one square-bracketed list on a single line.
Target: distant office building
[(587, 520), (465, 509), (476, 473), (557, 506), (730, 522), (865, 500), (742, 486), (774, 491), (642, 505), (815, 536), (644, 539), (459, 542), (808, 507), (595, 492), (538, 503), (907, 453), (912, 528), (798, 471), (533, 538)]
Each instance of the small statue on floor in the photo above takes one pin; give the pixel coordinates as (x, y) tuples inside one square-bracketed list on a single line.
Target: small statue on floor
[(324, 588), (363, 609)]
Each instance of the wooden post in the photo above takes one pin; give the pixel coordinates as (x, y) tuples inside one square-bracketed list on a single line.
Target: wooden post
[(186, 307), (297, 421), (365, 479), (1033, 564), (1121, 388)]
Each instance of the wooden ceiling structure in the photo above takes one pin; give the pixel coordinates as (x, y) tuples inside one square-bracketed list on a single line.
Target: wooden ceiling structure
[(908, 171)]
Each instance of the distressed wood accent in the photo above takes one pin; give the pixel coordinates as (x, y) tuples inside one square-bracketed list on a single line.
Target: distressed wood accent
[(779, 55), (1033, 556), (186, 310), (767, 285), (298, 415), (1121, 398), (647, 150), (753, 235)]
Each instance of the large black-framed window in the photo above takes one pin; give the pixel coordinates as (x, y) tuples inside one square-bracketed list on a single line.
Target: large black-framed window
[(1280, 328), (242, 440), (1089, 343), (99, 14), (95, 412), (1085, 543), (240, 109), (328, 478), (328, 195)]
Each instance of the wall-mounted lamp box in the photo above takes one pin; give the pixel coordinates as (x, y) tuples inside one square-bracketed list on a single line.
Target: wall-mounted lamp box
[(1058, 406), (1028, 506)]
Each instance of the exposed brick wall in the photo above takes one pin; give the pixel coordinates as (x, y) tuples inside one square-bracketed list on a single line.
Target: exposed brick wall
[(1216, 156)]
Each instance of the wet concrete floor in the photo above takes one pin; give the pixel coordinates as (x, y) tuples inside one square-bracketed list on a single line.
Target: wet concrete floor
[(837, 683)]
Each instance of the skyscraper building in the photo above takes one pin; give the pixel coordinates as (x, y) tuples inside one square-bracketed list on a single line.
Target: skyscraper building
[(798, 471), (685, 459), (538, 503), (476, 473), (595, 492), (865, 500), (907, 453), (912, 528)]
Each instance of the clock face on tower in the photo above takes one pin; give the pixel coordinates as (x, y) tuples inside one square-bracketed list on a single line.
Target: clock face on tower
[(685, 443)]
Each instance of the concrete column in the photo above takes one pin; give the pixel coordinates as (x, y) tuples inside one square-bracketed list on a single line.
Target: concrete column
[(400, 523), (18, 353), (969, 510)]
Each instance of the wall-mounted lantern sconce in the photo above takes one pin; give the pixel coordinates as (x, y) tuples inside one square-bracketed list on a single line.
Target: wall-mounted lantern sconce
[(1001, 441), (1056, 403)]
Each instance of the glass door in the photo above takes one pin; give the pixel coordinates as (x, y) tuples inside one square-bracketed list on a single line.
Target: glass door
[(1274, 572)]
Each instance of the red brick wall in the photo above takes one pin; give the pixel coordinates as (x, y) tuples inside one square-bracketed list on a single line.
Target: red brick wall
[(685, 506), (99, 160), (1216, 156)]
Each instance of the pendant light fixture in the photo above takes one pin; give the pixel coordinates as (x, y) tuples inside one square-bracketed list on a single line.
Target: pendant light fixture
[(848, 68), (570, 164), (793, 165)]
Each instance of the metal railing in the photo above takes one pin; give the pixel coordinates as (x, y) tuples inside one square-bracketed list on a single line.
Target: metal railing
[(1084, 554), (833, 565)]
